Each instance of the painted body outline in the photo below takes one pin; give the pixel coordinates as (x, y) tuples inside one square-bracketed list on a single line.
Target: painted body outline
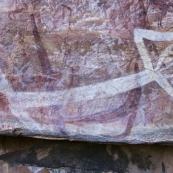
[(20, 101)]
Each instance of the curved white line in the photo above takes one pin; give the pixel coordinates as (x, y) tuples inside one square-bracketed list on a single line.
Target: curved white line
[(24, 100), (94, 91)]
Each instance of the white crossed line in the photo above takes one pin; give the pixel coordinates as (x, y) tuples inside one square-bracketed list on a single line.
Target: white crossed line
[(139, 34), (20, 101)]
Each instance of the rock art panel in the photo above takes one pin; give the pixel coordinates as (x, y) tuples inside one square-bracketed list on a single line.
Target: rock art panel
[(87, 70)]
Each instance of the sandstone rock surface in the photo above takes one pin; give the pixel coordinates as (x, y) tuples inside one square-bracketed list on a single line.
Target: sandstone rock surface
[(87, 70), (28, 155)]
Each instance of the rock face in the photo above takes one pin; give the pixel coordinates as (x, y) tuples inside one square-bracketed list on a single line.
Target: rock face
[(87, 70), (27, 155)]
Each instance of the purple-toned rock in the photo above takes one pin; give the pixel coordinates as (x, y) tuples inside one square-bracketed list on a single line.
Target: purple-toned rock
[(87, 70)]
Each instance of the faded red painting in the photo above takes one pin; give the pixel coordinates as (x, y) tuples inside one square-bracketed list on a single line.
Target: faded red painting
[(87, 70)]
